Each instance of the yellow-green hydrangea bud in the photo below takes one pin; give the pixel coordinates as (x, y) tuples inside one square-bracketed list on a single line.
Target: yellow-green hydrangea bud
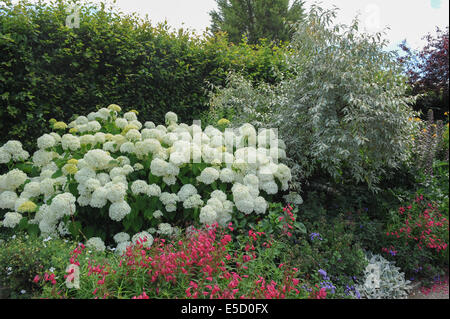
[(223, 122), (52, 121), (73, 130), (115, 107), (135, 112), (72, 161), (129, 127), (69, 169), (27, 207), (109, 137), (59, 126)]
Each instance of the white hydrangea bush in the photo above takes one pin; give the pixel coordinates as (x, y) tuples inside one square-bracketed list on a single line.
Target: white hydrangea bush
[(110, 177)]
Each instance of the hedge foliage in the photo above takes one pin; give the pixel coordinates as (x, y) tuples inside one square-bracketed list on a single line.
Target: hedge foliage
[(49, 70)]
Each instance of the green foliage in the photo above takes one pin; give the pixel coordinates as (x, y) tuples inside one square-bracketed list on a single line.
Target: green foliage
[(256, 20), (49, 70), (22, 257), (343, 114), (332, 248)]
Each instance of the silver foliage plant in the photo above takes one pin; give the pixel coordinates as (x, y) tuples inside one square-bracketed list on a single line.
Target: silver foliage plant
[(346, 107), (383, 280)]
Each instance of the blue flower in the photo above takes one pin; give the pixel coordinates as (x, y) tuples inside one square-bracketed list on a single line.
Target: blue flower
[(323, 273), (314, 235)]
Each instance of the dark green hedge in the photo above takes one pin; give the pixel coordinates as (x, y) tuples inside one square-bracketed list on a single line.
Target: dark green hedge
[(48, 70)]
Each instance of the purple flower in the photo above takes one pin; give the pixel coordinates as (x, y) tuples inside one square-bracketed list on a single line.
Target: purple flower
[(315, 235), (329, 286), (323, 273)]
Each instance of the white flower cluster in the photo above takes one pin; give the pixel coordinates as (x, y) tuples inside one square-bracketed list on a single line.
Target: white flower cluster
[(12, 150), (243, 159), (96, 243)]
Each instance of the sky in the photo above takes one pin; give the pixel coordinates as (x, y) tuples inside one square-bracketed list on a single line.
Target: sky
[(406, 19)]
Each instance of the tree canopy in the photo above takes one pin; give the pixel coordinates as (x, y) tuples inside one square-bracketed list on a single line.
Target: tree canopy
[(256, 19)]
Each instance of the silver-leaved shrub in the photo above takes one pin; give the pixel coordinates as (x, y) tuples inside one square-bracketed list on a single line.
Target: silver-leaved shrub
[(345, 112)]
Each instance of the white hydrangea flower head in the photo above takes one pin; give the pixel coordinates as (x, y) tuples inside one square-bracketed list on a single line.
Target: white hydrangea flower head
[(42, 158), (42, 211), (127, 169), (122, 247), (119, 139), (158, 167), (168, 198), (110, 146), (208, 215), (227, 175), (92, 184), (170, 179), (20, 156), (96, 243), (11, 219), (121, 237), (149, 124), (270, 187), (157, 214), (193, 201), (116, 171), (216, 204), (139, 187), (46, 141), (13, 179), (5, 157), (169, 139), (133, 135), (63, 229), (121, 122), (8, 199), (70, 142), (32, 189), (130, 116), (47, 187), (99, 197), (248, 135), (186, 191), (100, 137), (94, 126), (63, 205), (144, 238), (103, 178), (13, 147), (283, 173), (260, 205), (80, 120), (165, 229), (118, 210), (87, 140), (84, 174), (219, 195), (116, 192), (98, 159), (154, 190), (171, 118), (209, 175)]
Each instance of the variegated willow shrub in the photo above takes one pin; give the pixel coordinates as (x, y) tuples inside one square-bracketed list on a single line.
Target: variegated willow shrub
[(109, 177), (344, 114)]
